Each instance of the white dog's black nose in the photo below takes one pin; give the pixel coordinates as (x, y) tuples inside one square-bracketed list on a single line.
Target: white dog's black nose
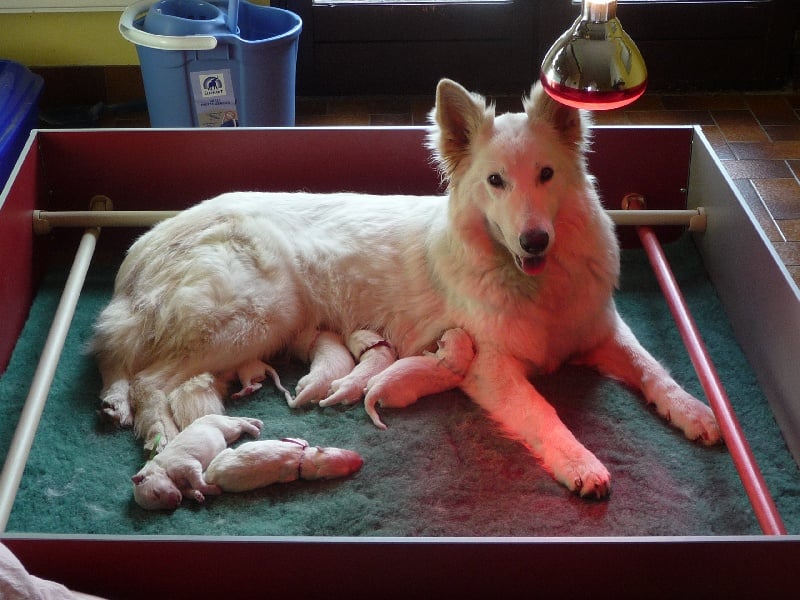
[(534, 241)]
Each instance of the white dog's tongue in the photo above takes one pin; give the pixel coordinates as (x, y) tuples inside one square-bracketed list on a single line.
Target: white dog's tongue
[(532, 265)]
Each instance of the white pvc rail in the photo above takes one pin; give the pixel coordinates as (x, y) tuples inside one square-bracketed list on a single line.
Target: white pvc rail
[(40, 386), (43, 221)]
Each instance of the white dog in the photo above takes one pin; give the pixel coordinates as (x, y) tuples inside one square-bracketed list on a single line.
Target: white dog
[(520, 254)]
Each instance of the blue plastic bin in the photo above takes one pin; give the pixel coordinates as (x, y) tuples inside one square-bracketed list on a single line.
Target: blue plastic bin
[(19, 102), (215, 63)]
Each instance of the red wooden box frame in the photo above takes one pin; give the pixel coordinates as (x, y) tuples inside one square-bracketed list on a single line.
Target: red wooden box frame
[(673, 167)]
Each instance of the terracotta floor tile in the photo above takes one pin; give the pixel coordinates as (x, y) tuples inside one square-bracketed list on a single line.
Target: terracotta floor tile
[(646, 102), (718, 142), (793, 100), (771, 109), (365, 105), (781, 197), (332, 120), (794, 272), (794, 165), (789, 253), (757, 169), (393, 119), (305, 105), (766, 150), (704, 102), (610, 117), (762, 215), (790, 228), (778, 133), (420, 108), (739, 126), (669, 117)]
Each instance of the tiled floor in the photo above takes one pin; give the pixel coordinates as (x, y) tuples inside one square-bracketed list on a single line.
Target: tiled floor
[(757, 137)]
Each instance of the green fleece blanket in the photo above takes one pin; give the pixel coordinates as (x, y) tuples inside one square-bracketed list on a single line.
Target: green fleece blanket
[(440, 469)]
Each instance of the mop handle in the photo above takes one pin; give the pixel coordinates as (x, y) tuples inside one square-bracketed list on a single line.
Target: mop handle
[(233, 16)]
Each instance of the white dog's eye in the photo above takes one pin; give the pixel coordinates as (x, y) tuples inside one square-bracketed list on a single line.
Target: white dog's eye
[(546, 174), (496, 180)]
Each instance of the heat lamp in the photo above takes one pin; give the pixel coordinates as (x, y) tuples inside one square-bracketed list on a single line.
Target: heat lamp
[(595, 65)]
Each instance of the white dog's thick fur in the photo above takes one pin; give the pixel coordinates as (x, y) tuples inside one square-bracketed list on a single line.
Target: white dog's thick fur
[(519, 254)]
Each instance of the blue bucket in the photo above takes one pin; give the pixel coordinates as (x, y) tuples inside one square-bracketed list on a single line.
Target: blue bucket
[(215, 63)]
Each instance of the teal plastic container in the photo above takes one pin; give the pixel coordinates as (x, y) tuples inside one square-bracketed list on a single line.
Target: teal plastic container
[(215, 63)]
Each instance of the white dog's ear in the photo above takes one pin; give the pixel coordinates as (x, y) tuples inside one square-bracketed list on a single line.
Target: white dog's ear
[(572, 124), (458, 116)]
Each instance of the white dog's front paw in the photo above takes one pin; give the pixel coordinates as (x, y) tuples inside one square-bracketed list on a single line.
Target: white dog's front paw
[(119, 413), (691, 416), (696, 420), (582, 473), (115, 405)]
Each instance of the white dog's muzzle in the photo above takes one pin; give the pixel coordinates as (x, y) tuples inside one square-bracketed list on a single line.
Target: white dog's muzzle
[(534, 243)]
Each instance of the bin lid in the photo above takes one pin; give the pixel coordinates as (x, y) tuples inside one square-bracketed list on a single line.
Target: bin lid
[(19, 96)]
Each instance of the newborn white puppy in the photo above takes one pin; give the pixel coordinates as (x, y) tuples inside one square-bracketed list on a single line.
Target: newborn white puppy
[(409, 379), (177, 471), (257, 464), (330, 360), (373, 354)]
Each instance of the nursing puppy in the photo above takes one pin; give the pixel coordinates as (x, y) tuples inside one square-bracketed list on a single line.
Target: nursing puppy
[(519, 254)]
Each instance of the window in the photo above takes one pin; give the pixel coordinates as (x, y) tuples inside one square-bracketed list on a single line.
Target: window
[(496, 46), (389, 47)]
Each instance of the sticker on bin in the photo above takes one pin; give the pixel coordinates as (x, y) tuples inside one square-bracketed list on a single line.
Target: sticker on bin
[(214, 99)]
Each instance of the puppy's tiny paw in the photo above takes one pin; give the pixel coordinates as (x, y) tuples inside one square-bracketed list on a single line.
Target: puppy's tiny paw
[(253, 427), (247, 390), (311, 389), (345, 391)]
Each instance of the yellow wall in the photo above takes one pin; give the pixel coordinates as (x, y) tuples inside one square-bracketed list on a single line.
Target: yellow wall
[(66, 39)]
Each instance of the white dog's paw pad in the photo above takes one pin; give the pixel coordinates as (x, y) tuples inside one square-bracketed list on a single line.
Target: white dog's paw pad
[(117, 412), (703, 430), (696, 420), (586, 476), (593, 485)]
